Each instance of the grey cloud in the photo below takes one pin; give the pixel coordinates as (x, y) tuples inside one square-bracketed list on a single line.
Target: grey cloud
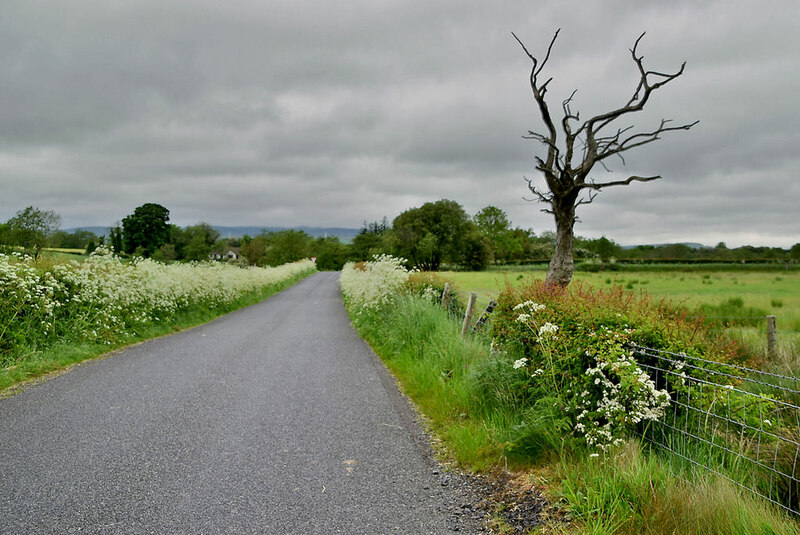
[(290, 113)]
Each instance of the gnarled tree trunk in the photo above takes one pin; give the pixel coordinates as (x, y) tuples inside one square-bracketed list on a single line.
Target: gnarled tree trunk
[(562, 264)]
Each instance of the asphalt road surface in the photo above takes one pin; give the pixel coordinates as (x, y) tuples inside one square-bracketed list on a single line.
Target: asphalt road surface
[(274, 419)]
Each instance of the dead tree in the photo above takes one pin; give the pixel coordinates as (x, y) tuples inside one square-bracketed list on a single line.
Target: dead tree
[(573, 152)]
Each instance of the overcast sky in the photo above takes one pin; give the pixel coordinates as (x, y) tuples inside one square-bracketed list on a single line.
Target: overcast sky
[(284, 113)]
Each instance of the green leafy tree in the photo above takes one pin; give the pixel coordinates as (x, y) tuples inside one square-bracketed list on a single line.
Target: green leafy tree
[(370, 240), (331, 253), (165, 253), (253, 249), (115, 238), (5, 234), (493, 223), (435, 232), (794, 252), (604, 248), (199, 241), (146, 229), (178, 239), (77, 239), (521, 245), (30, 228), (476, 251), (287, 246)]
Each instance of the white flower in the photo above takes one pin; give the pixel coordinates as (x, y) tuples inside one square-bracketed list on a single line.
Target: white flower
[(533, 307), (548, 328), (370, 285), (521, 363)]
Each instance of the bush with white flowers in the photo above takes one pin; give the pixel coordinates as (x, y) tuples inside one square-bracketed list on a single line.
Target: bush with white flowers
[(604, 388), (105, 298), (373, 284)]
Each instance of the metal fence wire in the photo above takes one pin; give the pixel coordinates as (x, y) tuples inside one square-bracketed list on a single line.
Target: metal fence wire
[(739, 423)]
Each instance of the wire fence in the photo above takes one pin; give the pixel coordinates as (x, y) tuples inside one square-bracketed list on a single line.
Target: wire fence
[(739, 423)]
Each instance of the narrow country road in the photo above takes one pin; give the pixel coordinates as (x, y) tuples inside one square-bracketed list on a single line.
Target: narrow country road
[(274, 419)]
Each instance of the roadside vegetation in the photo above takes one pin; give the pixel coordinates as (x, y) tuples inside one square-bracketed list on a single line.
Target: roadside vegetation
[(56, 313), (552, 392), (733, 300)]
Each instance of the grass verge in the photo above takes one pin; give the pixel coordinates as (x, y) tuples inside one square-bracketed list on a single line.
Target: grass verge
[(35, 363), (486, 421)]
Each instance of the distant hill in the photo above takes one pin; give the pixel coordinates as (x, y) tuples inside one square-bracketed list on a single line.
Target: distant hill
[(99, 231), (690, 245), (346, 235)]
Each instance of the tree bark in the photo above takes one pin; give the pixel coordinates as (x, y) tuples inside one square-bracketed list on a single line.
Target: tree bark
[(562, 264)]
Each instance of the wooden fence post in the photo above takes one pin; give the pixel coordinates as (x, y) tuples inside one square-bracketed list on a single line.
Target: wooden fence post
[(772, 336), (446, 295), (485, 316), (468, 314)]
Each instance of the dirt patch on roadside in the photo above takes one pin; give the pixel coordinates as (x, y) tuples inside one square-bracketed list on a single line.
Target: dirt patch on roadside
[(516, 503)]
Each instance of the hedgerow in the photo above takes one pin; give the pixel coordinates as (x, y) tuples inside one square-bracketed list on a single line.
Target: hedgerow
[(106, 299), (572, 346)]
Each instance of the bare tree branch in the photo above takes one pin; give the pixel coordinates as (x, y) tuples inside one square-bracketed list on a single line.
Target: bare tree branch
[(568, 184), (542, 197), (614, 147), (626, 182), (597, 148), (538, 95), (587, 200)]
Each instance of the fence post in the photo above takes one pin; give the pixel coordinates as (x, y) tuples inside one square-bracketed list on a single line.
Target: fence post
[(468, 314), (772, 337), (485, 316), (446, 295)]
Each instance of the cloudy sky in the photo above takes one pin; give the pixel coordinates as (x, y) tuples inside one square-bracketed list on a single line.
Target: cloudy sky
[(283, 113)]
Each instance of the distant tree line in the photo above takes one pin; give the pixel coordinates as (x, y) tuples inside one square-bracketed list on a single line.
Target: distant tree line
[(431, 237)]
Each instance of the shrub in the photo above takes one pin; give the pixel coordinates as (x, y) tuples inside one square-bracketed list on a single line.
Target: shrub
[(106, 299), (371, 285), (574, 343)]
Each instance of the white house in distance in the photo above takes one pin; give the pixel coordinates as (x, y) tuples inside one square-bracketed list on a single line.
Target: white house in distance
[(228, 253)]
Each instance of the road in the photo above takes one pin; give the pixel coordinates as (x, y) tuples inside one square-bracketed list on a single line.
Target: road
[(274, 419)]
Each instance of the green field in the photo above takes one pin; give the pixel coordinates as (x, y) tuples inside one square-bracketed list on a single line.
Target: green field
[(761, 293)]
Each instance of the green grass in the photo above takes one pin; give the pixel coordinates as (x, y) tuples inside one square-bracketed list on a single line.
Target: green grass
[(478, 409), (634, 492), (768, 292), (33, 364), (423, 348)]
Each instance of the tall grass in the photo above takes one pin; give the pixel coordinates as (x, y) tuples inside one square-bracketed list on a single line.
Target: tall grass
[(422, 346), (635, 492), (488, 416)]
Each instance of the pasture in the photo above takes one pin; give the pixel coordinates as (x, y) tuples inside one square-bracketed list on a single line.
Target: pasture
[(725, 295)]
